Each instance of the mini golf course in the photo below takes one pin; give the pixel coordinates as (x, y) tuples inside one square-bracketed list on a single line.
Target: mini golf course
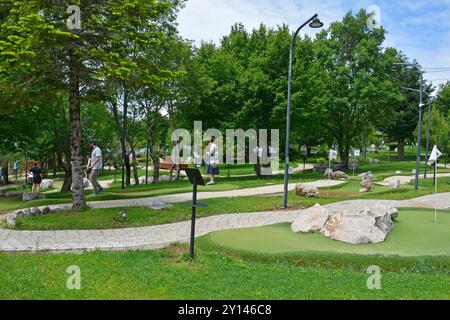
[(414, 234)]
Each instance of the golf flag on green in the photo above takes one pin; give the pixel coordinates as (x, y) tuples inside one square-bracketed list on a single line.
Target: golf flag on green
[(435, 154), (333, 155)]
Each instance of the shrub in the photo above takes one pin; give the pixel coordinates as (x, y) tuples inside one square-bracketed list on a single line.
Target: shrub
[(321, 161)]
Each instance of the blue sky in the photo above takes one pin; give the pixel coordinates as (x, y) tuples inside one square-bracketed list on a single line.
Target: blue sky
[(419, 28)]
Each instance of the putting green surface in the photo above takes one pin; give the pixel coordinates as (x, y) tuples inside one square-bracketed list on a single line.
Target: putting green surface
[(414, 234)]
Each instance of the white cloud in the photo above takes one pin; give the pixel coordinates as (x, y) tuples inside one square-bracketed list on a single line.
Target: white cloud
[(209, 20), (418, 28)]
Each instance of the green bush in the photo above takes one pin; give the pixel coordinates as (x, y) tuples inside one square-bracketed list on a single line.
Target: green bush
[(321, 161)]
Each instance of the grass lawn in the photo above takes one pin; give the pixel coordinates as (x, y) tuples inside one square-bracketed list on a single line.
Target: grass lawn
[(277, 239), (167, 274)]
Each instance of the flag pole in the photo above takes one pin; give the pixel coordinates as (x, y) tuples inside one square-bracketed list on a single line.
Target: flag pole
[(329, 175), (435, 190)]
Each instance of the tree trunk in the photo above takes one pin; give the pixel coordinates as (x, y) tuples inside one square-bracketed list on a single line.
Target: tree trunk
[(79, 201), (401, 149), (344, 155), (123, 146), (135, 169), (6, 172), (153, 155)]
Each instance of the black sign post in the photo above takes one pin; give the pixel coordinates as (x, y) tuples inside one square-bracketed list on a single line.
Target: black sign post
[(196, 179)]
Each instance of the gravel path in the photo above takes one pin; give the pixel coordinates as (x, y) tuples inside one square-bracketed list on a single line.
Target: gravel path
[(407, 179), (154, 237), (184, 197)]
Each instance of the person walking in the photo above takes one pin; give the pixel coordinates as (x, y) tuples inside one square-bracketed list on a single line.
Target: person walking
[(212, 160), (37, 176), (1, 173), (95, 166), (16, 168)]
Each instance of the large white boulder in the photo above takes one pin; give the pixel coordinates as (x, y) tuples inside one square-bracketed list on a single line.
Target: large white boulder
[(371, 225), (311, 220)]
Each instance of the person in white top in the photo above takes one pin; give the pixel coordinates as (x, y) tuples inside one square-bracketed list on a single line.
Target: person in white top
[(212, 161), (95, 166)]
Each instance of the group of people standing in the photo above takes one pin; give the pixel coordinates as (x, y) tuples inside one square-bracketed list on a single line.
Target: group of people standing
[(15, 170), (95, 166)]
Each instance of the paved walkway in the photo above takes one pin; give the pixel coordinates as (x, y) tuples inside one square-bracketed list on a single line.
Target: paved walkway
[(154, 237), (407, 179), (184, 197)]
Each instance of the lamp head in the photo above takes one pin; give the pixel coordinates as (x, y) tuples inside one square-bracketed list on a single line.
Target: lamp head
[(316, 23)]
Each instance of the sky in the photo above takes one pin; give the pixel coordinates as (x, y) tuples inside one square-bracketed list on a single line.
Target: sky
[(419, 28)]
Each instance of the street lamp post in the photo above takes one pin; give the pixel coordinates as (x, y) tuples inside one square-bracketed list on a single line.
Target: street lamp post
[(428, 135), (419, 134), (313, 22)]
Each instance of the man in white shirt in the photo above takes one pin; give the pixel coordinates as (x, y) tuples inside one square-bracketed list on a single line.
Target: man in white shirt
[(95, 166), (212, 160)]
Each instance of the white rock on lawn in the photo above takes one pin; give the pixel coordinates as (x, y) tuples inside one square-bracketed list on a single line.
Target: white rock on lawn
[(371, 225), (312, 219)]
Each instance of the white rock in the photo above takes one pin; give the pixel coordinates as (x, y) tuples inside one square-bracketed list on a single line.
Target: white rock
[(312, 219), (31, 196), (394, 185), (328, 173), (159, 205), (46, 184), (367, 176), (340, 175), (354, 229), (371, 225), (306, 191), (398, 172), (11, 221)]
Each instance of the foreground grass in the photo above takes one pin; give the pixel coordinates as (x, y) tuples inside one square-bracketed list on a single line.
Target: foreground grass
[(168, 275)]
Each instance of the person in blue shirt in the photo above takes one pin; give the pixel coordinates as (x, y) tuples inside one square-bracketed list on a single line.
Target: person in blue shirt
[(16, 168)]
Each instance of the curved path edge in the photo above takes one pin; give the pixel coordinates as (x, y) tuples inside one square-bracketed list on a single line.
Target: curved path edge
[(160, 236)]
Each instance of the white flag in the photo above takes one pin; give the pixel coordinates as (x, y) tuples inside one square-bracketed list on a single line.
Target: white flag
[(435, 154), (333, 155), (357, 153)]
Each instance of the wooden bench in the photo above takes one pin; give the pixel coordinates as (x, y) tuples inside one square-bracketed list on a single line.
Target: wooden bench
[(167, 164)]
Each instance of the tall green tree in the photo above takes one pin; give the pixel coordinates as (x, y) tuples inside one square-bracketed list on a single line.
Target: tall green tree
[(350, 77), (401, 126), (40, 54), (442, 102)]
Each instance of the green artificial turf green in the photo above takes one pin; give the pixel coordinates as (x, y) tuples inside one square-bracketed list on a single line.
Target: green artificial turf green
[(414, 234)]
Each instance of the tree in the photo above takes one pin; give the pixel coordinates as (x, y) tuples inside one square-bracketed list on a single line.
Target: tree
[(401, 126), (350, 77), (439, 130), (40, 55), (442, 102)]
